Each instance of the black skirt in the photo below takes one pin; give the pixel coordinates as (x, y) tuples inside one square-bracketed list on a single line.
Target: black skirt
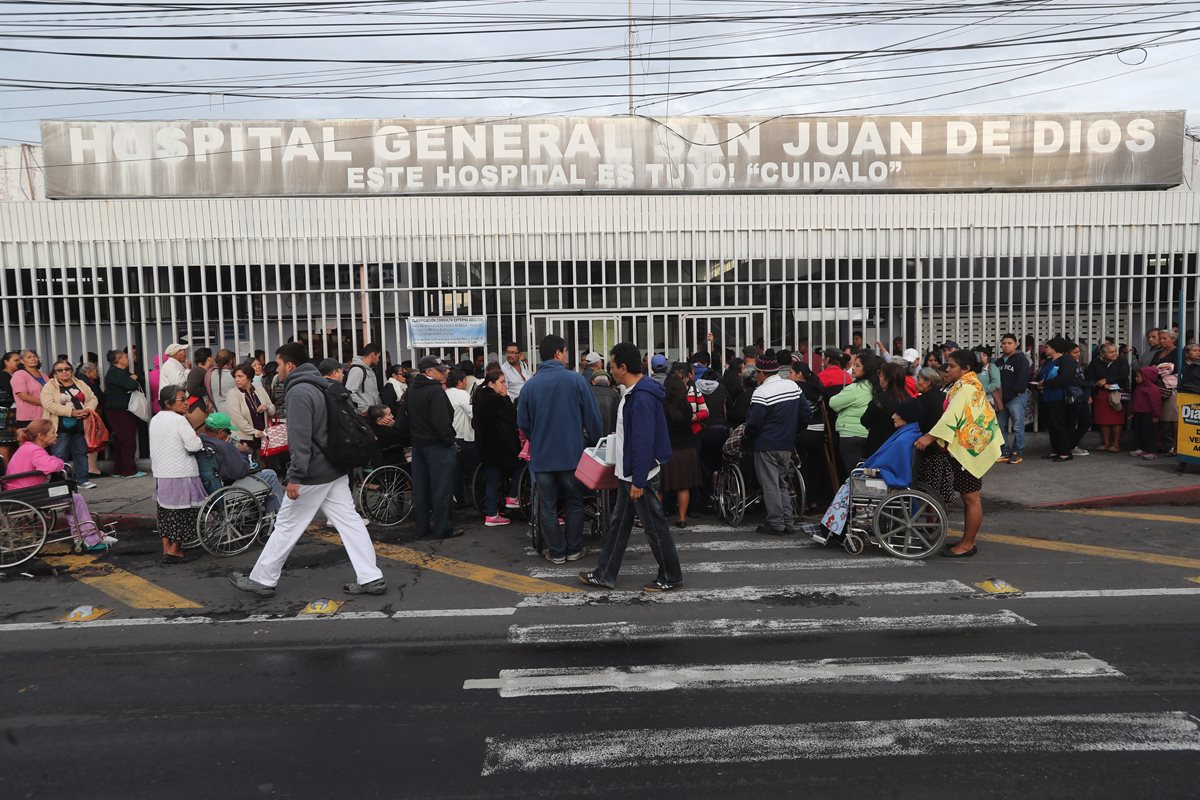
[(682, 471), (942, 473)]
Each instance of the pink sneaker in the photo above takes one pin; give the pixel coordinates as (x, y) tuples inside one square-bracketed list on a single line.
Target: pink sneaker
[(496, 521), (1151, 456), (1136, 453), (512, 502)]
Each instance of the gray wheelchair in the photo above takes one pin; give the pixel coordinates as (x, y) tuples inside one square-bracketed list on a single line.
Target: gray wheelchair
[(30, 518), (234, 517), (909, 523)]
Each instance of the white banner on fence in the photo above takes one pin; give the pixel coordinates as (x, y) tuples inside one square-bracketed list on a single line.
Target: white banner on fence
[(447, 331)]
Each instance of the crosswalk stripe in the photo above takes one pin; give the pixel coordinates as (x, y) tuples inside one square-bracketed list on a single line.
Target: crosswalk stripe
[(719, 545), (1069, 593), (668, 677), (598, 632), (132, 590), (754, 566), (1116, 733), (747, 593)]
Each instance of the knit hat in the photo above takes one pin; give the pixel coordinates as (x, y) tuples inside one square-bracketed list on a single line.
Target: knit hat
[(909, 410), (768, 363)]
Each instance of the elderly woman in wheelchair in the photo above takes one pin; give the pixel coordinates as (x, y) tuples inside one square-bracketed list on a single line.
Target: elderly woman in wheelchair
[(35, 487), (243, 499), (880, 503)]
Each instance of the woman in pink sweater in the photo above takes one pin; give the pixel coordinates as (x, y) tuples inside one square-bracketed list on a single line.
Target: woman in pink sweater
[(32, 456)]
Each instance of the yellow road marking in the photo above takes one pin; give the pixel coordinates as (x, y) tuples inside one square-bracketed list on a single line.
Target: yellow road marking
[(1195, 580), (511, 581), (1091, 550), (117, 583), (997, 586), (1100, 512)]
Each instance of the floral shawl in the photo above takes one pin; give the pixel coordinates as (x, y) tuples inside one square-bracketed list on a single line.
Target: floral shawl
[(968, 426)]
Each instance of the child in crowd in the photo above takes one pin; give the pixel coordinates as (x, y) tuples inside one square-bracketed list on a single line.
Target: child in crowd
[(1146, 408)]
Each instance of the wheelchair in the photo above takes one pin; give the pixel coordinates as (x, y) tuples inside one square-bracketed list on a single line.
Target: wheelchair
[(909, 523), (234, 516), (29, 518), (597, 513), (736, 489), (383, 494)]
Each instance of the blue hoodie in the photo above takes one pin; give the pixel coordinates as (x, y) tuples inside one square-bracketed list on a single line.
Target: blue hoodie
[(645, 444), (555, 408)]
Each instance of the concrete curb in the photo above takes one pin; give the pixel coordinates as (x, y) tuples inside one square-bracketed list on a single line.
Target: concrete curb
[(1179, 496)]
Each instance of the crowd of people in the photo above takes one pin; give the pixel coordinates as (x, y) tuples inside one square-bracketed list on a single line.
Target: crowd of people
[(834, 408)]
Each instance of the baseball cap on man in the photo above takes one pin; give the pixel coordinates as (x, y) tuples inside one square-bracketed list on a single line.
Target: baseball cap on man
[(912, 356), (951, 345), (658, 363), (173, 348), (328, 366), (219, 422), (593, 358), (432, 362)]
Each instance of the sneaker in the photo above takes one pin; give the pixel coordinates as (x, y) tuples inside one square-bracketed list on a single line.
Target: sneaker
[(590, 579), (244, 583), (86, 485), (496, 521), (138, 474), (99, 547), (109, 540), (1151, 456), (1136, 453), (512, 502), (574, 556), (377, 586), (1002, 460), (1079, 451), (662, 586), (553, 559), (1016, 460)]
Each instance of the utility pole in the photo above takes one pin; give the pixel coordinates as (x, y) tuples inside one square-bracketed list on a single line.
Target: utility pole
[(629, 54)]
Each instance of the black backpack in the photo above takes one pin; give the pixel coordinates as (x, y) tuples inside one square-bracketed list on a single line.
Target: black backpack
[(351, 443)]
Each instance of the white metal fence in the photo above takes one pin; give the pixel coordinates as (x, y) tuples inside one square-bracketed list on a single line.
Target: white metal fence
[(662, 271)]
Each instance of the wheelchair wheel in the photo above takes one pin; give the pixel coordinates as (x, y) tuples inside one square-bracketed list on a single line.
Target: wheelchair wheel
[(385, 496), (910, 523), (479, 489), (798, 492), (23, 533), (523, 480), (733, 494), (229, 522), (535, 526)]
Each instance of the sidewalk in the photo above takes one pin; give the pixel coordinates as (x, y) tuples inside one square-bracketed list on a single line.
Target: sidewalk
[(1100, 479)]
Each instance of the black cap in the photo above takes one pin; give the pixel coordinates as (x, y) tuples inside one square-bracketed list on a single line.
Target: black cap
[(328, 366), (750, 351), (432, 362)]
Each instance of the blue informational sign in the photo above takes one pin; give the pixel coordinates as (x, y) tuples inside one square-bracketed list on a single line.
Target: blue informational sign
[(424, 332)]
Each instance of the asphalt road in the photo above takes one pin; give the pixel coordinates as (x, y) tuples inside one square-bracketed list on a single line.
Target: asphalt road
[(782, 670)]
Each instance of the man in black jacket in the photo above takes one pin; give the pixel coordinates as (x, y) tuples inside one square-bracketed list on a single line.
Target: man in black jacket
[(435, 457), (1014, 398)]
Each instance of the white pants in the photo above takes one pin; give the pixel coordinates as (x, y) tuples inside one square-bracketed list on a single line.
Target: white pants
[(334, 500)]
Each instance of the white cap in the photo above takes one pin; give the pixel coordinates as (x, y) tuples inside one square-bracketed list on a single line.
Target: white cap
[(593, 358), (174, 348), (912, 356)]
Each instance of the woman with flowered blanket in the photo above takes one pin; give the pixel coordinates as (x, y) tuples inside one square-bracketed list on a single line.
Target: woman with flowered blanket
[(961, 448)]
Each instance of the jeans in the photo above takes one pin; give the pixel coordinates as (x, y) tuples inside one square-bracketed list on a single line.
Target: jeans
[(71, 447), (1082, 421), (267, 476), (433, 474), (551, 488), (1013, 410), (654, 523), (491, 489), (772, 467), (468, 460)]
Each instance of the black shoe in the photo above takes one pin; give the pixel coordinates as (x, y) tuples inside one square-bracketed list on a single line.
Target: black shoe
[(681, 524), (170, 559), (454, 534), (771, 531), (590, 579), (948, 553), (662, 586), (1062, 459)]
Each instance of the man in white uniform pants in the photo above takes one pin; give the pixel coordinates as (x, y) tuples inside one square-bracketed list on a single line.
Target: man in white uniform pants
[(314, 484)]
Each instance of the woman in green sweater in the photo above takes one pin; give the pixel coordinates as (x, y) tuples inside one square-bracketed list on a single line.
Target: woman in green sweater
[(123, 425), (850, 403)]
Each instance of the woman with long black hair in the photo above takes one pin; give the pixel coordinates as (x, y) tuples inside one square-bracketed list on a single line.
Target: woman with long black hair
[(877, 419), (682, 473), (496, 441)]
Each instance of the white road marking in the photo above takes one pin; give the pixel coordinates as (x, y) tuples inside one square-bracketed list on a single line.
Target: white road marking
[(719, 545), (15, 627), (752, 566), (591, 633), (744, 593), (1075, 733), (1105, 593), (668, 677)]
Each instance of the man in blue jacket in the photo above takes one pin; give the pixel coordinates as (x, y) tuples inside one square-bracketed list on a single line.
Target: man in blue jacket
[(555, 409), (638, 448)]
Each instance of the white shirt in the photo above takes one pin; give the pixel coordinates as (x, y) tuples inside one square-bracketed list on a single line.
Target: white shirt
[(516, 377), (399, 387), (616, 447), (172, 372), (172, 443), (460, 401)]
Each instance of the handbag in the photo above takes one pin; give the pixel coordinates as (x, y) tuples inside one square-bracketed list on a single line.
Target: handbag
[(594, 470), (95, 432), (275, 441), (1114, 400), (139, 406)]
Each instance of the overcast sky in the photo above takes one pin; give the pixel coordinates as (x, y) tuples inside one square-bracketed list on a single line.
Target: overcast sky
[(762, 57)]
